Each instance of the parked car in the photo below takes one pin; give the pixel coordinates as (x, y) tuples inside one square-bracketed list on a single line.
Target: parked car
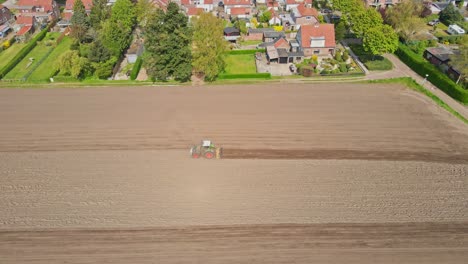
[(292, 68), (326, 11), (433, 22)]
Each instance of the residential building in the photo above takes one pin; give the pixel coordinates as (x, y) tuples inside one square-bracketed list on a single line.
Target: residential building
[(291, 4), (206, 5), (230, 4), (231, 34), (5, 17), (318, 39), (42, 10), (256, 33), (283, 51), (241, 12), (303, 15)]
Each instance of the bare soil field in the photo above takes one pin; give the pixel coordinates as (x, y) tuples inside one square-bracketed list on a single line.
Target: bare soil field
[(353, 117), (323, 173), (429, 243)]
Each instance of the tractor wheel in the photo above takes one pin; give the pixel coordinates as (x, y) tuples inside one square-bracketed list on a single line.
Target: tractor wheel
[(209, 155), (195, 155)]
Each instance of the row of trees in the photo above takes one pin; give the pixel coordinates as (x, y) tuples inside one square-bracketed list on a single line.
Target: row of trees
[(99, 38), (367, 24), (177, 48)]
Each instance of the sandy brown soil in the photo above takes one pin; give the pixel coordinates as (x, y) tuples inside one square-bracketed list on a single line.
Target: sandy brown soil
[(358, 117), (432, 243), (117, 159)]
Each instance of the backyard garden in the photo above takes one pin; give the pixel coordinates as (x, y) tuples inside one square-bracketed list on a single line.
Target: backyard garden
[(340, 64), (372, 62)]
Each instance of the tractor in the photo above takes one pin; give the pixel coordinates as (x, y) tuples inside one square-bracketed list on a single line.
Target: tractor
[(207, 150)]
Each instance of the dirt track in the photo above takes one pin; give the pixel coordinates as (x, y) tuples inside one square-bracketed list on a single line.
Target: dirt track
[(117, 158)]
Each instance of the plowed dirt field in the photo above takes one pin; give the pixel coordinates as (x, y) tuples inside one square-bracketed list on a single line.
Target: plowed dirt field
[(323, 173)]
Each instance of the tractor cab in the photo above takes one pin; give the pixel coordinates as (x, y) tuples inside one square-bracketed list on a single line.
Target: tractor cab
[(206, 149)]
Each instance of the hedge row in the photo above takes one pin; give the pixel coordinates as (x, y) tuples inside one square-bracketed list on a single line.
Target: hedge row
[(439, 79), (23, 52), (136, 68), (244, 76), (240, 52), (62, 78)]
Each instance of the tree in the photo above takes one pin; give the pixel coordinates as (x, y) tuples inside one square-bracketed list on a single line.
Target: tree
[(340, 31), (98, 52), (380, 40), (460, 61), (71, 64), (144, 9), (99, 13), (79, 21), (405, 19), (450, 15), (167, 43), (116, 32), (363, 20), (209, 46), (265, 17), (241, 26)]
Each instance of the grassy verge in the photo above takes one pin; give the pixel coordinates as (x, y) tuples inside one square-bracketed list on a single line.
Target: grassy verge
[(240, 64), (8, 54), (47, 68), (250, 42), (413, 85)]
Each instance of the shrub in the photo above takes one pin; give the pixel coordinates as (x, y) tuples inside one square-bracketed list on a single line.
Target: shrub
[(343, 67), (345, 55), (338, 56), (422, 67), (241, 52), (136, 68), (244, 76), (378, 63)]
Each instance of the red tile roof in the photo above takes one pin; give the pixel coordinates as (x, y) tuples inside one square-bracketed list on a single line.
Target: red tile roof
[(208, 2), (280, 42), (67, 15), (24, 20), (185, 2), (304, 11), (88, 4), (319, 30), (194, 11), (296, 2), (237, 2), (272, 3), (240, 11), (23, 30)]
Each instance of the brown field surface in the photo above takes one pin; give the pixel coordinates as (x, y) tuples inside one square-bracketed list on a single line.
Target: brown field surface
[(323, 173)]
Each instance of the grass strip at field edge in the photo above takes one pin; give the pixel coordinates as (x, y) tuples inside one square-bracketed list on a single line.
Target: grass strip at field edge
[(413, 85)]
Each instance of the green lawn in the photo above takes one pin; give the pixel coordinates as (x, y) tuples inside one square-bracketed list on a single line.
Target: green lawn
[(37, 53), (372, 63), (250, 42), (240, 64), (47, 68), (8, 54)]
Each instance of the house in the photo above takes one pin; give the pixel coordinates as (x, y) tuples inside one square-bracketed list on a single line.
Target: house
[(291, 4), (194, 11), (5, 17), (230, 4), (318, 39), (381, 3), (241, 12), (303, 15), (43, 10), (271, 36), (440, 57), (88, 4), (231, 34), (282, 51), (273, 4), (206, 5), (23, 34), (437, 7), (24, 21), (256, 33)]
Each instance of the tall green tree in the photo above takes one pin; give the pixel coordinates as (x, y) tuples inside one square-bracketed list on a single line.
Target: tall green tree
[(380, 40), (460, 61), (365, 19), (209, 46), (116, 32), (143, 10), (450, 15), (241, 25), (404, 18), (340, 31), (79, 21), (168, 40), (99, 13)]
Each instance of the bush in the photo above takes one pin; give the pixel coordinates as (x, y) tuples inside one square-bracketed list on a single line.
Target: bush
[(343, 67), (241, 52), (62, 78), (223, 76), (136, 68), (338, 56), (345, 55), (422, 67), (378, 63), (417, 47)]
